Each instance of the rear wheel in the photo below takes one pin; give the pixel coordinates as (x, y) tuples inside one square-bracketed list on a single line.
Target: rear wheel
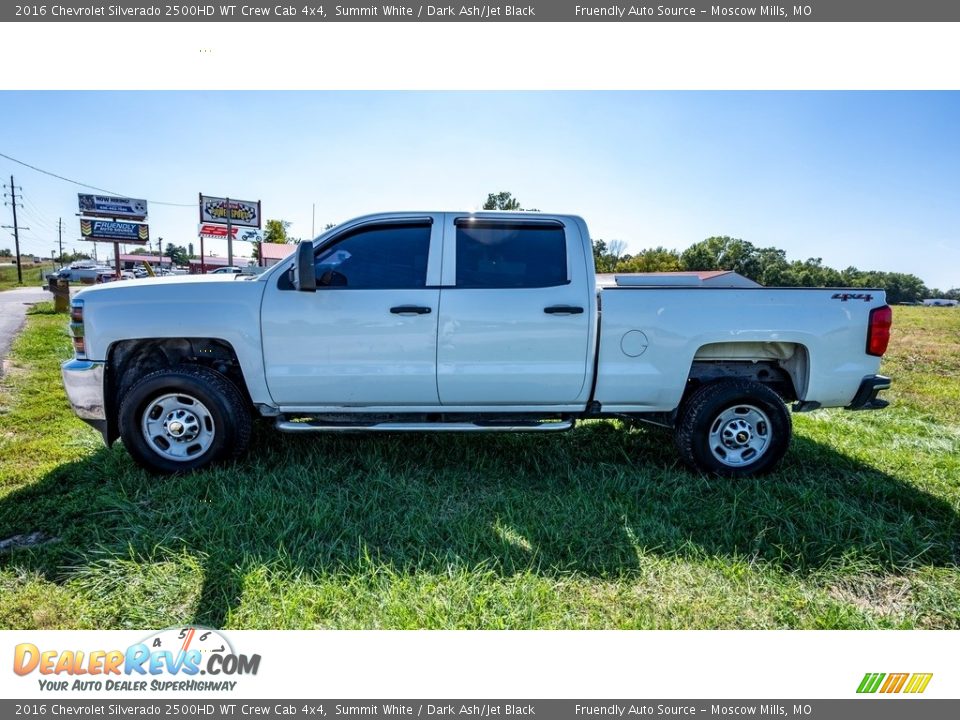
[(182, 419), (733, 428)]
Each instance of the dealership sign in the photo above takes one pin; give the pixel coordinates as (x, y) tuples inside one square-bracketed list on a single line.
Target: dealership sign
[(112, 207), (223, 210), (219, 232), (115, 231)]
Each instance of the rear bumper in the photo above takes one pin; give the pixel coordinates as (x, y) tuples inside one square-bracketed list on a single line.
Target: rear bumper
[(866, 397), (83, 381)]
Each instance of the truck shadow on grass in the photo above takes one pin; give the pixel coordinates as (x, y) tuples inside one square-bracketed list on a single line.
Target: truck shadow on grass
[(587, 503)]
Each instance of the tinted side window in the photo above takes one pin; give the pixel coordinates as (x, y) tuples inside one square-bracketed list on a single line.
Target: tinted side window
[(500, 255), (376, 258)]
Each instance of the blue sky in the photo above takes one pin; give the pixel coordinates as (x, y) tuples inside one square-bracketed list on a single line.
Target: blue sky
[(870, 179)]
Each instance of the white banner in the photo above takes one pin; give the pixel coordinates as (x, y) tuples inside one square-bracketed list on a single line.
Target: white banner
[(488, 664)]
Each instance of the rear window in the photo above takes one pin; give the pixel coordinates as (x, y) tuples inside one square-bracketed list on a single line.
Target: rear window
[(505, 255)]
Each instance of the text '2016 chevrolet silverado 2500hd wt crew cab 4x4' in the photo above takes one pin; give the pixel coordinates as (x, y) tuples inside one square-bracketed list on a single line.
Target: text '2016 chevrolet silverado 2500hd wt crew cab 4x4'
[(475, 322)]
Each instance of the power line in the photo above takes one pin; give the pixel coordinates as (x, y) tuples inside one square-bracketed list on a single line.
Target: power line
[(44, 225), (31, 236), (32, 205), (87, 185)]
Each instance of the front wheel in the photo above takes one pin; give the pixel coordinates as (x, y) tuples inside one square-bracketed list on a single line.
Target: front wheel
[(185, 418), (733, 428)]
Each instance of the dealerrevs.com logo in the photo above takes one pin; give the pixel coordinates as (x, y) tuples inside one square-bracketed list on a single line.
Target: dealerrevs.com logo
[(889, 683), (172, 659)]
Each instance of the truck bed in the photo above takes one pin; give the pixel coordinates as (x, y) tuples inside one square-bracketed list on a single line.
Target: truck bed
[(649, 340)]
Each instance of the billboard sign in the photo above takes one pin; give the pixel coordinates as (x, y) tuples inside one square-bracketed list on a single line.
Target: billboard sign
[(112, 207), (115, 231), (219, 232), (240, 212)]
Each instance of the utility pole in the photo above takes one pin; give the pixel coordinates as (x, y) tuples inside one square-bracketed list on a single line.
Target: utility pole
[(16, 229), (60, 234), (229, 234)]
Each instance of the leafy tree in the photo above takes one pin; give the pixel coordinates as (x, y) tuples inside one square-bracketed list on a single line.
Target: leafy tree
[(5, 252), (722, 253), (275, 231), (900, 287), (773, 266), (604, 261), (658, 259), (177, 254), (501, 201), (616, 248), (69, 257)]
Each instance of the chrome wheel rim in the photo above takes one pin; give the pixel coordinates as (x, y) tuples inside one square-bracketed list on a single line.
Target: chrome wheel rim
[(740, 435), (178, 427)]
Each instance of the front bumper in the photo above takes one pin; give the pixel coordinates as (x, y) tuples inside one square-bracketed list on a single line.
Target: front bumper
[(866, 397), (83, 381)]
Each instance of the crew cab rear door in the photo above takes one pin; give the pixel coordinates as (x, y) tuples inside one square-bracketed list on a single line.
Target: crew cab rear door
[(368, 335), (515, 312)]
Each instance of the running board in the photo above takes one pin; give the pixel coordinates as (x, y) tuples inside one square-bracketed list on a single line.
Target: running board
[(320, 426)]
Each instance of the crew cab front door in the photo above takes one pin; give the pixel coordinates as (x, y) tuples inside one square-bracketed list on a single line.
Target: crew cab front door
[(367, 336)]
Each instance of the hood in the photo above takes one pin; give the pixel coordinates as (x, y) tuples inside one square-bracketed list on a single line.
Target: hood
[(120, 286)]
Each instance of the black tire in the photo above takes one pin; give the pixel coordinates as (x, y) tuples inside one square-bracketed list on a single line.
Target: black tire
[(733, 428), (203, 406)]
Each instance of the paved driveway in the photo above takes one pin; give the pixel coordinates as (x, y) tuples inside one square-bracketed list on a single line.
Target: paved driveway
[(13, 311)]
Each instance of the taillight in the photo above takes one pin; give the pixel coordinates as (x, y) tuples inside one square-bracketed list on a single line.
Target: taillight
[(76, 328), (878, 330)]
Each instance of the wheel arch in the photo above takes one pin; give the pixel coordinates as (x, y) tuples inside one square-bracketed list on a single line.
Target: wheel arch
[(129, 360), (782, 366)]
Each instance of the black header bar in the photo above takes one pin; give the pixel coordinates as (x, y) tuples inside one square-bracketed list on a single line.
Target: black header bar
[(533, 11), (224, 707)]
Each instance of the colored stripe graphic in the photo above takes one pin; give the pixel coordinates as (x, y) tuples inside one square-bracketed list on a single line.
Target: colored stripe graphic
[(870, 682), (894, 682), (918, 683)]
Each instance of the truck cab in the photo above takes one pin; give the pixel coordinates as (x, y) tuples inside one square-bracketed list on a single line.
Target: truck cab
[(418, 313)]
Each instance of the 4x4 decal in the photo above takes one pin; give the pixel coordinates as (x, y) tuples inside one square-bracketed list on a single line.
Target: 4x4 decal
[(844, 296)]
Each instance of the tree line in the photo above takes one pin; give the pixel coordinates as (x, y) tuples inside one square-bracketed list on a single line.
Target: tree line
[(767, 265)]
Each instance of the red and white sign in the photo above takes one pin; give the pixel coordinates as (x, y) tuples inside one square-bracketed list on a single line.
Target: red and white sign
[(219, 232)]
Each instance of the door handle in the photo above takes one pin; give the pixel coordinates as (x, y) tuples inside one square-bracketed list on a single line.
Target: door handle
[(410, 310), (563, 310)]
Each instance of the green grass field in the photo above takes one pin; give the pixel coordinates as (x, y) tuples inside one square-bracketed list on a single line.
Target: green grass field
[(596, 528), (32, 275)]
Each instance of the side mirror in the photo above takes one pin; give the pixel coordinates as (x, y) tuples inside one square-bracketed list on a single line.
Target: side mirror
[(303, 275)]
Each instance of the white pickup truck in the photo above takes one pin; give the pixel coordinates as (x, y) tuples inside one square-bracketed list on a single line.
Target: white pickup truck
[(473, 322)]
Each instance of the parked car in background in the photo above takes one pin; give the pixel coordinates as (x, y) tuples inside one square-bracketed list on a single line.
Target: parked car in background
[(81, 273), (228, 270)]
